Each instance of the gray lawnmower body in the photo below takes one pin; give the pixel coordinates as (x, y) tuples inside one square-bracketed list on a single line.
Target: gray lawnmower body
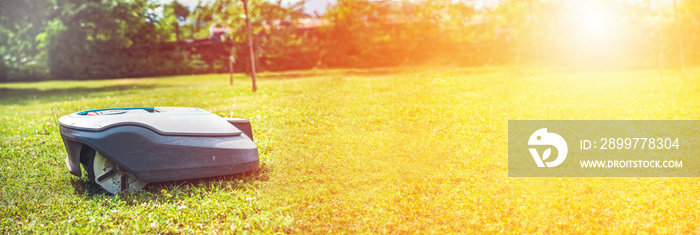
[(160, 144)]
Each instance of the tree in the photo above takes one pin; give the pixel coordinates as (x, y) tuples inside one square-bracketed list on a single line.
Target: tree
[(109, 39), (276, 43), (20, 23), (180, 14), (201, 17)]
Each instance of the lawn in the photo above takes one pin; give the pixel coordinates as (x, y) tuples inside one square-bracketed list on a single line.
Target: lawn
[(402, 150)]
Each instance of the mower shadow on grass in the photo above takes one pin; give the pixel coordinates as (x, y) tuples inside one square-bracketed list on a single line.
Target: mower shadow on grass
[(23, 95), (83, 186)]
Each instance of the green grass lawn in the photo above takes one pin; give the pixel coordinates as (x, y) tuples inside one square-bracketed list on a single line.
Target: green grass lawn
[(381, 151)]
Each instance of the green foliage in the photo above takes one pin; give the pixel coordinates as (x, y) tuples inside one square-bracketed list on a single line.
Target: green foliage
[(85, 39), (202, 17), (385, 33), (20, 23), (4, 70), (174, 14), (104, 39), (88, 39), (278, 45)]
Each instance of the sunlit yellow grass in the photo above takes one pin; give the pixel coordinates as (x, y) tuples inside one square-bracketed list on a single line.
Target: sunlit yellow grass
[(399, 150)]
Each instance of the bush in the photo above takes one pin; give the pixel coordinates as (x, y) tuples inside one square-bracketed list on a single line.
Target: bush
[(4, 69)]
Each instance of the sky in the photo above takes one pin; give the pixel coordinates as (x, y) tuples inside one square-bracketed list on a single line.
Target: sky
[(317, 5)]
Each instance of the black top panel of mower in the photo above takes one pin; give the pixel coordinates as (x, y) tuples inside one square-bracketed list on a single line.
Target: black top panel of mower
[(176, 121)]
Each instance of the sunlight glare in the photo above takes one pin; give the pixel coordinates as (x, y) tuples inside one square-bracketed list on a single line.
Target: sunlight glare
[(595, 31), (597, 23)]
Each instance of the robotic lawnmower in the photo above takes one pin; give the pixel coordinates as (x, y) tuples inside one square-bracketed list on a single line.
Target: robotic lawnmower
[(123, 149)]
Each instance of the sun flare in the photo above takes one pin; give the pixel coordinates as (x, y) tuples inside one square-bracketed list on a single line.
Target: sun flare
[(596, 32), (597, 22)]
